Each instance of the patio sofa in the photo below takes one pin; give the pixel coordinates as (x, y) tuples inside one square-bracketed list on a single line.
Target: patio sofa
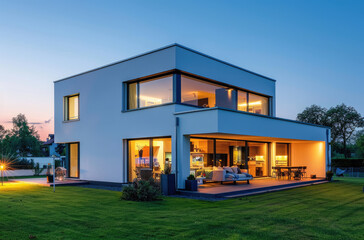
[(225, 174)]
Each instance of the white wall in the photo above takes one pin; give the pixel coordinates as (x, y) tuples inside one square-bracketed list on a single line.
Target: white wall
[(312, 155)]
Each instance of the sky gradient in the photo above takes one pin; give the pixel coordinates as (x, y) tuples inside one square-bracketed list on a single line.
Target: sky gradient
[(314, 49)]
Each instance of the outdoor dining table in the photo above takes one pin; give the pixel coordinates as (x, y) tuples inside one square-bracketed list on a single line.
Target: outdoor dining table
[(290, 169)]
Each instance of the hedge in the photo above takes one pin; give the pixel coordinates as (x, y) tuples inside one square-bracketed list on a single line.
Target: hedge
[(352, 162)]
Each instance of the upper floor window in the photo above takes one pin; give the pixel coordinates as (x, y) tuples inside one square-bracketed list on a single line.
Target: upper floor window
[(193, 91), (258, 104), (71, 107), (150, 92), (205, 94)]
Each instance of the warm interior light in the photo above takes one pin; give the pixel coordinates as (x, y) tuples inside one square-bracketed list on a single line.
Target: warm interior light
[(151, 100), (261, 158), (282, 157), (251, 104)]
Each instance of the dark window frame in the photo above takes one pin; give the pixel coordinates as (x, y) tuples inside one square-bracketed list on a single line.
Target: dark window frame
[(269, 157), (150, 152), (177, 75), (66, 108), (68, 153)]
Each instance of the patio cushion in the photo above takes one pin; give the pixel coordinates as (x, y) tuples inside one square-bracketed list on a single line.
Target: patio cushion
[(235, 170), (228, 169), (208, 174)]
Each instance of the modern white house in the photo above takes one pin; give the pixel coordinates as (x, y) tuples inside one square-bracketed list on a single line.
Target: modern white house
[(177, 106)]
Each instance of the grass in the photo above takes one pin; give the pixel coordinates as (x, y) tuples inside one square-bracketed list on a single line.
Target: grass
[(327, 211)]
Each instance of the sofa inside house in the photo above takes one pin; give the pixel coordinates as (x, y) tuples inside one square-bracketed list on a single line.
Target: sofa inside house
[(224, 174)]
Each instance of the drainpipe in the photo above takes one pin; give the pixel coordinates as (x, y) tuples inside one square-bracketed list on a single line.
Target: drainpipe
[(328, 149), (176, 147)]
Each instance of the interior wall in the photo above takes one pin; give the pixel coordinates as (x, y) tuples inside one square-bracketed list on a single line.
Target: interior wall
[(310, 154)]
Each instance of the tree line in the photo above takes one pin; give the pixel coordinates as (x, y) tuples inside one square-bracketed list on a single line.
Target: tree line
[(346, 123), (20, 141)]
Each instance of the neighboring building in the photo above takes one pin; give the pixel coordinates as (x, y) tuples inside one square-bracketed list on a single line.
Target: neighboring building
[(49, 146), (177, 106)]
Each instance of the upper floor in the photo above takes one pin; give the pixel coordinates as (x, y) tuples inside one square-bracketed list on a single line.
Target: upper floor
[(170, 75)]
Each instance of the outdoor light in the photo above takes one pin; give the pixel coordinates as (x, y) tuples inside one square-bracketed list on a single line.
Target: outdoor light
[(2, 167)]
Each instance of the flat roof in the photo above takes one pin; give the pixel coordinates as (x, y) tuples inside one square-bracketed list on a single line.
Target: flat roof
[(163, 48)]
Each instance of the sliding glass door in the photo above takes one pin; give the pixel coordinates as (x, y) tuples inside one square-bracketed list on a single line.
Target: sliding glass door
[(258, 159)]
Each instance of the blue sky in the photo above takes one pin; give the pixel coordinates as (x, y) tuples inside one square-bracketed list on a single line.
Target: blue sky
[(314, 49)]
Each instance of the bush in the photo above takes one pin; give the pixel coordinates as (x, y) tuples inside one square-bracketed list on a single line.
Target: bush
[(142, 191), (329, 175), (191, 177)]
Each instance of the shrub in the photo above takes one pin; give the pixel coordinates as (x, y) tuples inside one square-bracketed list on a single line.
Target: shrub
[(329, 175), (191, 177), (38, 170), (167, 169), (141, 190)]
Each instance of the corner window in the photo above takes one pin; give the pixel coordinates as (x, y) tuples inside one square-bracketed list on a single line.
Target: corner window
[(242, 101), (205, 94), (258, 104), (149, 93), (71, 107)]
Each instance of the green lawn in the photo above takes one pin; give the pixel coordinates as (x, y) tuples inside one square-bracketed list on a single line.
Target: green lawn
[(327, 211)]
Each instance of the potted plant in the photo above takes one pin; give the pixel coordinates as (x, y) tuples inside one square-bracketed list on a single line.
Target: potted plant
[(329, 175), (49, 174), (168, 181), (191, 183)]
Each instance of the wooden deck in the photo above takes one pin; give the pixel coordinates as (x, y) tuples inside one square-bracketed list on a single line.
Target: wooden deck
[(256, 186)]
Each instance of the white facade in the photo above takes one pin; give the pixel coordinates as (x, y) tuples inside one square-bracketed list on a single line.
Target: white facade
[(105, 125)]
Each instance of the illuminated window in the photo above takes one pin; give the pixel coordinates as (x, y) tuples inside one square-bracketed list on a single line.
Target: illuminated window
[(71, 108), (145, 161), (258, 104), (242, 101), (73, 160), (205, 94), (149, 93)]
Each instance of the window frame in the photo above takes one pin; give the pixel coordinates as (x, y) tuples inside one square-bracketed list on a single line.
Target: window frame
[(176, 86), (150, 78), (66, 108), (150, 139)]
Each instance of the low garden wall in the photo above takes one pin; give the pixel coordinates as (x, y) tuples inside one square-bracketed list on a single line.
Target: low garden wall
[(22, 172)]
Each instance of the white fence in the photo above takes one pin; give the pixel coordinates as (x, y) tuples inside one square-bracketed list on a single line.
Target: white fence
[(22, 172)]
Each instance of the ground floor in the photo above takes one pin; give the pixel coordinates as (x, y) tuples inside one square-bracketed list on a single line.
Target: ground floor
[(203, 155)]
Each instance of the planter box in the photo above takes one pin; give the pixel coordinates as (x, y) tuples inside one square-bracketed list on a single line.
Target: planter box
[(168, 184), (49, 178), (191, 185)]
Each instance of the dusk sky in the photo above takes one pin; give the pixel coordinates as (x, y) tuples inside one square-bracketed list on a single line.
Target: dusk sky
[(314, 49)]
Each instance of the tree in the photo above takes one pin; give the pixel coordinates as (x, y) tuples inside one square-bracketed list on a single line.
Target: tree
[(313, 114), (22, 140), (343, 120), (359, 143)]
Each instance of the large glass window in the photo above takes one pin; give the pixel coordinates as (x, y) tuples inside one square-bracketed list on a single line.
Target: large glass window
[(204, 94), (242, 101), (150, 92), (282, 154), (140, 155), (71, 107), (230, 153), (193, 91), (258, 159), (201, 155), (258, 104)]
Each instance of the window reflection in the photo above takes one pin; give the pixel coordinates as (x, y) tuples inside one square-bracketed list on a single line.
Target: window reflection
[(258, 104)]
